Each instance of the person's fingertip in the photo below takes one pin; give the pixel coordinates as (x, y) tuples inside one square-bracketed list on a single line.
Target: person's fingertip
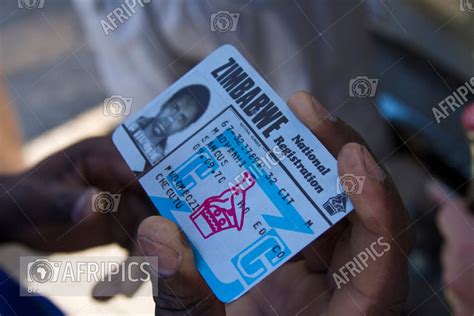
[(351, 159), (372, 167), (355, 158), (321, 110), (169, 259), (160, 237), (362, 179), (299, 98), (302, 109), (308, 109), (156, 225)]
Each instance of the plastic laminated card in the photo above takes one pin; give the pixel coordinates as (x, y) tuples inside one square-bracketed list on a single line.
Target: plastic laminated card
[(220, 154)]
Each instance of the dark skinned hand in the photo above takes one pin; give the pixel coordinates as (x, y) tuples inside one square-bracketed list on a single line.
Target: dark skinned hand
[(305, 285), (49, 207)]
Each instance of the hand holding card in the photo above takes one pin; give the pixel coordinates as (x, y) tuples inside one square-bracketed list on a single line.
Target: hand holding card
[(303, 286), (220, 154)]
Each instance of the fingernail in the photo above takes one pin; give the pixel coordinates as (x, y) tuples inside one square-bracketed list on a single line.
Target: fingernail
[(373, 169), (169, 259), (321, 110)]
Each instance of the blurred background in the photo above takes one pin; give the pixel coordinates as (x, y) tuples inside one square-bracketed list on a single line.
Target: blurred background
[(55, 74)]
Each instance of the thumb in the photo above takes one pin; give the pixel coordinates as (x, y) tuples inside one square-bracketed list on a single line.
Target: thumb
[(181, 289), (380, 235)]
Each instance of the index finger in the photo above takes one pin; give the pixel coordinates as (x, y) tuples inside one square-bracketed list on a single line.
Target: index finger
[(333, 133)]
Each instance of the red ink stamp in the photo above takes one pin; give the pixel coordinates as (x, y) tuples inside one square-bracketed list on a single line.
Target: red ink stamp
[(224, 211)]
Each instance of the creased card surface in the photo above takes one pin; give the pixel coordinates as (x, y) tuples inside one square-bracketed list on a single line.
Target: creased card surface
[(221, 155)]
